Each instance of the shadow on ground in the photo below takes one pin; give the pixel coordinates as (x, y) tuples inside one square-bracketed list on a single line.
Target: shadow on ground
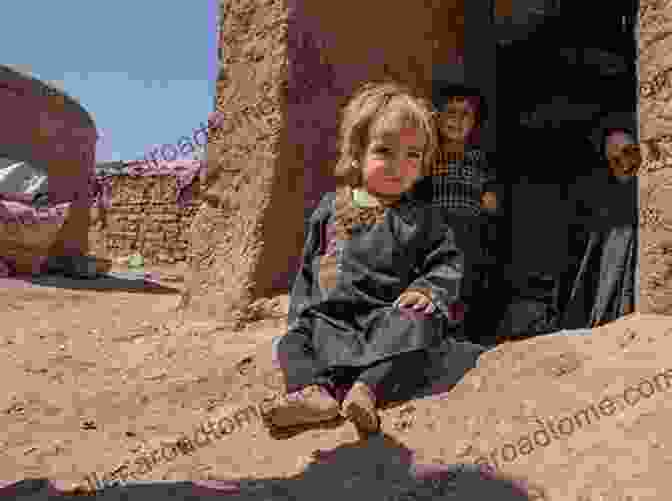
[(103, 283), (377, 469)]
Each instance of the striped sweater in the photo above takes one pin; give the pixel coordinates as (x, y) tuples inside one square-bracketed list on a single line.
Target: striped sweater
[(459, 181)]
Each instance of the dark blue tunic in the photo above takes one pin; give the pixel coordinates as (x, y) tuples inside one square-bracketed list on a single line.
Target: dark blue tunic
[(604, 288), (351, 322)]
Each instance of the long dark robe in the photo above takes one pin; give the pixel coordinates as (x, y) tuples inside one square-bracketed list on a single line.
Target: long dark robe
[(352, 321), (606, 216)]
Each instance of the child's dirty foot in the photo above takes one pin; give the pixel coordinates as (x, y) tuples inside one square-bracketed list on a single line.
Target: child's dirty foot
[(312, 404), (359, 407)]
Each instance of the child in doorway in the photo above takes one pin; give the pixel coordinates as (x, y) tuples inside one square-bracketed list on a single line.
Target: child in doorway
[(604, 288), (379, 275), (462, 186), (461, 181)]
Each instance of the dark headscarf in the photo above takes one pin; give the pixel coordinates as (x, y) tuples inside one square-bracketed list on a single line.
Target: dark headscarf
[(449, 80)]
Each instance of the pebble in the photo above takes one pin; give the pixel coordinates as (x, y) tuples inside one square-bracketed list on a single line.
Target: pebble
[(462, 448)]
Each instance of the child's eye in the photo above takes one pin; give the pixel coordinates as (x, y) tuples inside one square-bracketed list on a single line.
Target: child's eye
[(415, 154), (381, 150)]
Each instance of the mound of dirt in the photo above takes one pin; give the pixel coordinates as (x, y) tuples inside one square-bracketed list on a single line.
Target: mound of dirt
[(571, 415)]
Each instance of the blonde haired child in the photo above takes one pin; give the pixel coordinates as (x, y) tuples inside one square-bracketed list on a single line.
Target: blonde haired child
[(380, 273)]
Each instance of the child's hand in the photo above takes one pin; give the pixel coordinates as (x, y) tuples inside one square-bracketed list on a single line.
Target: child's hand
[(415, 300), (489, 200)]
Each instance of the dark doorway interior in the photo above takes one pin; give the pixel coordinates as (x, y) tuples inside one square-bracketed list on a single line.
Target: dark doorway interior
[(553, 88)]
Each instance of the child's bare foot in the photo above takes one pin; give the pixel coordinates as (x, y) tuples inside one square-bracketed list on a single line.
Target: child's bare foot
[(359, 407), (312, 404)]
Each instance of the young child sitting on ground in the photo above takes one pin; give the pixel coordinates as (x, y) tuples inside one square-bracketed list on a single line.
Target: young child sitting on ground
[(379, 275)]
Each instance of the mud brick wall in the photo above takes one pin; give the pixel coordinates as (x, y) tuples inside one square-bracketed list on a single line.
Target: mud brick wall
[(144, 217)]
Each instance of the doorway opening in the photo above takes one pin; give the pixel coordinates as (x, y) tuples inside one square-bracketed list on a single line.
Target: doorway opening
[(566, 76)]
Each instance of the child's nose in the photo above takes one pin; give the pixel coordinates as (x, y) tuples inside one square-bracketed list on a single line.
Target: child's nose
[(456, 115), (392, 168)]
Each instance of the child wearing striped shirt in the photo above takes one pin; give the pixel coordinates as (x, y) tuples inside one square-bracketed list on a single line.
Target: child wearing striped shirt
[(460, 178), (461, 184)]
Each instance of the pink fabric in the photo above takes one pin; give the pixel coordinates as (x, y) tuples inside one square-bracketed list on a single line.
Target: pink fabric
[(8, 266), (620, 138), (26, 233), (166, 168), (412, 314), (22, 213), (5, 270), (456, 311), (331, 242), (216, 119), (184, 170), (474, 136), (24, 198)]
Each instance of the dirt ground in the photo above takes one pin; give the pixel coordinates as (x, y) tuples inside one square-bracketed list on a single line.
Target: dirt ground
[(100, 375), (111, 382)]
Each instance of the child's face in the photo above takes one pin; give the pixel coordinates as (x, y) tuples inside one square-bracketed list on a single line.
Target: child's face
[(457, 119), (623, 155), (393, 161)]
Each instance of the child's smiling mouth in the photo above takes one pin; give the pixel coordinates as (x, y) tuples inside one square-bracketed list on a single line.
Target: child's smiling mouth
[(393, 180)]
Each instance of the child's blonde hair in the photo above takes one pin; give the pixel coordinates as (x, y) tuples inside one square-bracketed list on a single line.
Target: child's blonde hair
[(390, 106), (398, 106)]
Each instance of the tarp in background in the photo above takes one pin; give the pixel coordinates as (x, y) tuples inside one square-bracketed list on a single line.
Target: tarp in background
[(185, 170), (22, 177)]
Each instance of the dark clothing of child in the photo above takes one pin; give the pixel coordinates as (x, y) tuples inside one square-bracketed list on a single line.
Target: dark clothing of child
[(351, 328), (391, 379), (606, 217), (457, 183), (455, 189)]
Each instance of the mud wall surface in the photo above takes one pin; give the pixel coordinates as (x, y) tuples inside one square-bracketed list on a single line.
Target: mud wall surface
[(332, 49), (655, 186), (227, 233), (286, 69), (41, 125), (143, 217), (335, 47)]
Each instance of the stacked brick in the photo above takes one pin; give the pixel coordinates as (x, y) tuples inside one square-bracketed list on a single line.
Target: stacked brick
[(143, 217)]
